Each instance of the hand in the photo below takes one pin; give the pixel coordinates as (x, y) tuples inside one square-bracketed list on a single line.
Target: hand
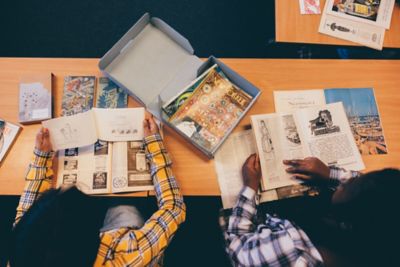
[(308, 169), (149, 127), (43, 142), (251, 172)]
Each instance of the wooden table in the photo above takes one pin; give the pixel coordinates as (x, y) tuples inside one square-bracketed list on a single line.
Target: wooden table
[(196, 174), (293, 27)]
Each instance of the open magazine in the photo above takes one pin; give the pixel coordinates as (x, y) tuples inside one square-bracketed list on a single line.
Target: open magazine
[(322, 131), (359, 21), (105, 167), (228, 164), (361, 109)]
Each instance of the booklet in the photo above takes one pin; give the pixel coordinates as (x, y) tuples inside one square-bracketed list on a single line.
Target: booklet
[(362, 22), (360, 106), (321, 131), (86, 128), (8, 133), (35, 98)]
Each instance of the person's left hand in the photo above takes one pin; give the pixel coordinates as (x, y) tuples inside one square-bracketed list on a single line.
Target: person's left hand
[(251, 172), (43, 142)]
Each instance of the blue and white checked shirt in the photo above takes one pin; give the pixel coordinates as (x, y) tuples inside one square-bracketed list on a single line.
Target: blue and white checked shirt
[(276, 242)]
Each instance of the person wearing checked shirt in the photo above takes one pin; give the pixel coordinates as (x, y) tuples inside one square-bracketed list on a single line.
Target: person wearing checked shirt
[(64, 227), (364, 206)]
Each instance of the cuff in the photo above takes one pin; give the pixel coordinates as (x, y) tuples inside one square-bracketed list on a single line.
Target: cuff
[(42, 159), (248, 193)]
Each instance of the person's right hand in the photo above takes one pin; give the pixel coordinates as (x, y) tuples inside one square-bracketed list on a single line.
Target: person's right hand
[(43, 143), (308, 168), (251, 172), (149, 127)]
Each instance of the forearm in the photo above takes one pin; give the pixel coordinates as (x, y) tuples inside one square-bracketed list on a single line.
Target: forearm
[(165, 184), (38, 179), (160, 228), (244, 212)]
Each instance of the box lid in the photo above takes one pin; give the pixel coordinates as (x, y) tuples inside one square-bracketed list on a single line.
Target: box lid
[(151, 58)]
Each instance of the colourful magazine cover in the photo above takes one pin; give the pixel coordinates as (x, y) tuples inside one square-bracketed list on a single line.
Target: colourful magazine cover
[(212, 109), (109, 95), (78, 94)]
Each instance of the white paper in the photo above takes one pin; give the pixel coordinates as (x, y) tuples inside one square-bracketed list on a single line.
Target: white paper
[(124, 124), (277, 139), (228, 164), (326, 134), (289, 101), (86, 128), (352, 30), (72, 131)]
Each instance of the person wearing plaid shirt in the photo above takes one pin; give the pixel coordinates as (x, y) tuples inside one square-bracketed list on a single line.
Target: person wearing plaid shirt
[(273, 241), (123, 240)]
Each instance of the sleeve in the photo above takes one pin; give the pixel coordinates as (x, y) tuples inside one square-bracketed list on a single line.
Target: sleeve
[(276, 242), (38, 179), (152, 239), (340, 175)]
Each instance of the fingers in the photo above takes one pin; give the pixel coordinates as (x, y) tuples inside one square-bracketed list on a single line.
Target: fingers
[(303, 177), (293, 162)]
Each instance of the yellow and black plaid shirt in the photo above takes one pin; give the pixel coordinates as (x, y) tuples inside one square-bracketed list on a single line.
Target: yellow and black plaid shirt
[(124, 246)]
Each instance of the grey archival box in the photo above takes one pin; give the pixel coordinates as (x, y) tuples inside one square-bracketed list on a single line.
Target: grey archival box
[(154, 63)]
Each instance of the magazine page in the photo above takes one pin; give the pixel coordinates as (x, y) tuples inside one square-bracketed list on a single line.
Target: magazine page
[(8, 133), (353, 31), (228, 164), (363, 115), (376, 13), (326, 134), (122, 124), (277, 138), (288, 101), (72, 131), (130, 168), (88, 167)]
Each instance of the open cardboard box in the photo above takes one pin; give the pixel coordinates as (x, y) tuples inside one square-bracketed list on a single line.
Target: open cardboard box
[(154, 63)]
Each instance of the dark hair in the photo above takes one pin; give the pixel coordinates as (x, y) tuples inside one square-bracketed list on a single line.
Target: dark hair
[(372, 214), (60, 229)]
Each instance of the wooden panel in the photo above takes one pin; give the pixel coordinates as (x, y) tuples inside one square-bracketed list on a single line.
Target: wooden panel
[(195, 173), (292, 27)]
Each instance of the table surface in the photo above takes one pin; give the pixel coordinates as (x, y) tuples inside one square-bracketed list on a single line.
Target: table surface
[(293, 27), (195, 173)]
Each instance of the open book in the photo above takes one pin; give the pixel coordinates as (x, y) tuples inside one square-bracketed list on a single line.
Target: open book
[(115, 163), (86, 128), (321, 131)]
